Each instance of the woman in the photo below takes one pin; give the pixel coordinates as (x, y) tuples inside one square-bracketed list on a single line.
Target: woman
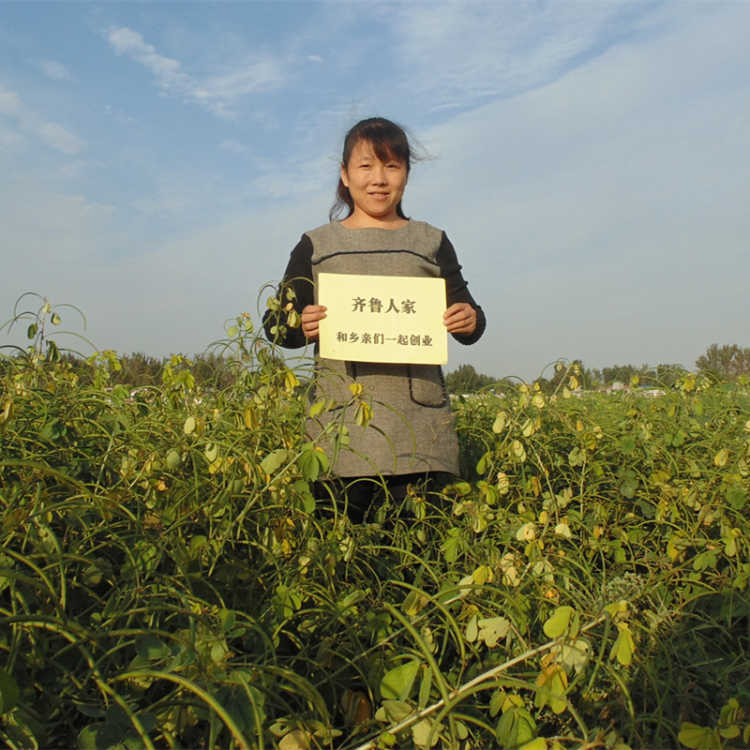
[(411, 434)]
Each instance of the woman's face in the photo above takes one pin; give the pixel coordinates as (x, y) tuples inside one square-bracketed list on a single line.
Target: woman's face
[(376, 186)]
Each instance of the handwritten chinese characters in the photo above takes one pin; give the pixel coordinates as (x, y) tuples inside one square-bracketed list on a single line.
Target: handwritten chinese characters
[(375, 305), (413, 339)]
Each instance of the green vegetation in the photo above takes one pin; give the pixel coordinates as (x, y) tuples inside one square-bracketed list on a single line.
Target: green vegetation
[(173, 574)]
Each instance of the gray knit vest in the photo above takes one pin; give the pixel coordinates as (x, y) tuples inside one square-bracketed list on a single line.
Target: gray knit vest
[(412, 428)]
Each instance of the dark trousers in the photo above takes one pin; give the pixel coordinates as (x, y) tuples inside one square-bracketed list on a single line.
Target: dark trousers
[(364, 495)]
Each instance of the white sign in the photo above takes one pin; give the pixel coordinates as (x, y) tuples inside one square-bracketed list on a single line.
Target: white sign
[(383, 318)]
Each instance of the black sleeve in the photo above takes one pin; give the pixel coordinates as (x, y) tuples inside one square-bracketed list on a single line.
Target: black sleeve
[(298, 278), (456, 288)]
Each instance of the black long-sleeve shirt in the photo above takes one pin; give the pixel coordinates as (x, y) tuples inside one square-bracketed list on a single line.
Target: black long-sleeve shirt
[(298, 275)]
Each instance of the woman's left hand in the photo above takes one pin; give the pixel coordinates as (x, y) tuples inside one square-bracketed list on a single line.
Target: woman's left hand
[(460, 318)]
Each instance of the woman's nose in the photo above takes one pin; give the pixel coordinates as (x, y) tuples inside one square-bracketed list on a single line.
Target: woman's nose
[(378, 174)]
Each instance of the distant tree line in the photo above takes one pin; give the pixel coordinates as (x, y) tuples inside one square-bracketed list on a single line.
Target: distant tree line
[(724, 363), (138, 369)]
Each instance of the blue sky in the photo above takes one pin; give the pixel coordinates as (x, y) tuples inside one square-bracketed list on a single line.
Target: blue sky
[(158, 161)]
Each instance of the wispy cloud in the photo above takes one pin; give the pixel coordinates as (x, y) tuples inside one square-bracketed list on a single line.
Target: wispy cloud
[(461, 54), (218, 92), (234, 147), (29, 123), (55, 70)]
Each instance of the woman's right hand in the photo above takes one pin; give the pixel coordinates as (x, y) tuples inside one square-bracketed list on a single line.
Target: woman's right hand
[(311, 316)]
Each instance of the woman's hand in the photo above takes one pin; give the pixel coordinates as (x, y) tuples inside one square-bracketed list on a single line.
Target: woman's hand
[(460, 318), (311, 315)]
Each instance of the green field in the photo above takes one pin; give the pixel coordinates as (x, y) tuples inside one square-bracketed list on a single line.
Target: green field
[(168, 578)]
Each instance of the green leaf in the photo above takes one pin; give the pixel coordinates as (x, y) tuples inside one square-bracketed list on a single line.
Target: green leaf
[(451, 544), (393, 711), (499, 424), (516, 727), (537, 744), (496, 702), (736, 496), (397, 683), (274, 460), (55, 319), (8, 692), (698, 738), (31, 331), (557, 623), (425, 687)]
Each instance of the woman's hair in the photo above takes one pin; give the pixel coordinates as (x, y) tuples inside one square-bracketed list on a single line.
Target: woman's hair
[(388, 140)]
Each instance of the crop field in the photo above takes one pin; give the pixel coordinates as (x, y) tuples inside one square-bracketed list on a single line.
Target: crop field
[(175, 574)]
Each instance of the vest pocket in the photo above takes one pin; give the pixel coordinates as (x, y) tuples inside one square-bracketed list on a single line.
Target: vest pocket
[(427, 386)]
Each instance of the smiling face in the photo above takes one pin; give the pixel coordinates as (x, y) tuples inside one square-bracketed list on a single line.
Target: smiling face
[(376, 187)]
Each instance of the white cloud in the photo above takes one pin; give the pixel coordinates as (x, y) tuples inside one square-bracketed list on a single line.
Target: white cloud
[(234, 147), (217, 92), (30, 123), (55, 70), (315, 58), (603, 215), (461, 54), (10, 103)]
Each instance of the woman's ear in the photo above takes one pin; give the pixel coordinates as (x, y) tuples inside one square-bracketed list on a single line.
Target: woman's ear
[(344, 176)]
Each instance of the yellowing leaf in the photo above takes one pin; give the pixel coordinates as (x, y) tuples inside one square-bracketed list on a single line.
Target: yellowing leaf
[(623, 648), (251, 418), (575, 655), (472, 630), (211, 451), (317, 408), (518, 451), (493, 629), (483, 574), (295, 740), (499, 424), (363, 414), (290, 381), (557, 623), (551, 684), (536, 744), (189, 427), (721, 458), (503, 483), (423, 734), (538, 401), (562, 529), (527, 532)]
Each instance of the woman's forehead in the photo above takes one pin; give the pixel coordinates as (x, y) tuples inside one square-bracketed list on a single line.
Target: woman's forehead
[(366, 148)]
